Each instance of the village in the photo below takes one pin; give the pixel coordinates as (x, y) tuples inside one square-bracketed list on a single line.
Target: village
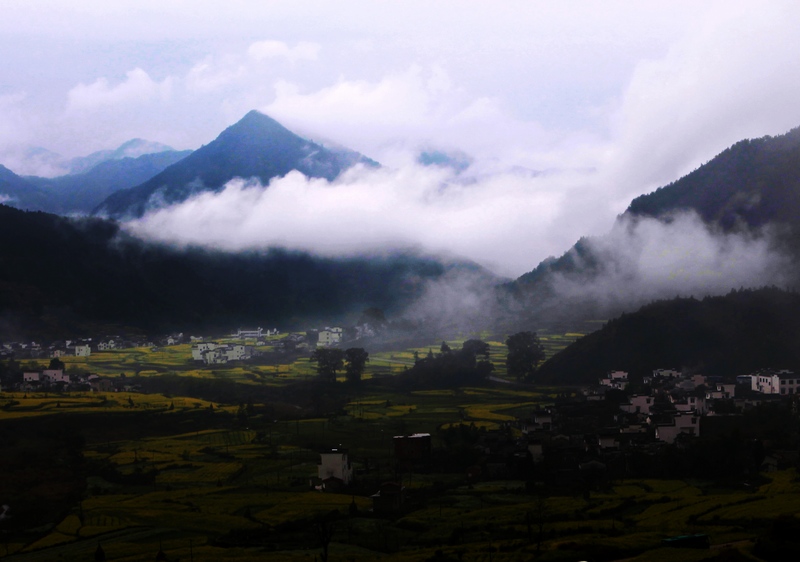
[(605, 420), (383, 452)]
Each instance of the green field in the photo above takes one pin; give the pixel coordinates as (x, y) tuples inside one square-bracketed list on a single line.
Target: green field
[(208, 481)]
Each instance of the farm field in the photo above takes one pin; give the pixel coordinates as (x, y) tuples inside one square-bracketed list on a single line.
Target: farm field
[(239, 491), (275, 368), (201, 480)]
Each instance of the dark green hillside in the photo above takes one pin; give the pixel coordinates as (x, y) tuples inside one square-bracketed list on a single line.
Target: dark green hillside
[(255, 147), (61, 276), (727, 335), (754, 182)]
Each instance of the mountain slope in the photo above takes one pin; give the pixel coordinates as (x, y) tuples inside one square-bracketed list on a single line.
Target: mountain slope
[(81, 193), (751, 185), (19, 192), (726, 335), (255, 147), (66, 275)]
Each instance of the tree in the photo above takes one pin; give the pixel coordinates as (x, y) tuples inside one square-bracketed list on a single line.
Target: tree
[(525, 351), (355, 359), (56, 363), (473, 348), (328, 362)]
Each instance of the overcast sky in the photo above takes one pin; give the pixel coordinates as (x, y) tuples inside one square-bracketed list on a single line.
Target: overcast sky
[(609, 99)]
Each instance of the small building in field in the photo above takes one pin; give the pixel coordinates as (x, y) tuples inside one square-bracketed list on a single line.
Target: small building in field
[(335, 463)]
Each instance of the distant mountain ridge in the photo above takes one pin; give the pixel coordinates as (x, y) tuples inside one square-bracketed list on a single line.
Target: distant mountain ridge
[(92, 179), (255, 147), (133, 148), (81, 193), (19, 192)]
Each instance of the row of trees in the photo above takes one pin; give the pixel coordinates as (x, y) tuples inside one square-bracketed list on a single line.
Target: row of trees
[(525, 352), (329, 361)]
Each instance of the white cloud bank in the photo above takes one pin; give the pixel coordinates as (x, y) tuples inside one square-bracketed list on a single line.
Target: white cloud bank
[(490, 220), (714, 74), (731, 76), (645, 259), (137, 88)]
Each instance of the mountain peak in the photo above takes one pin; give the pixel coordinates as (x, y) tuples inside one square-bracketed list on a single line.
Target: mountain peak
[(256, 146), (258, 127)]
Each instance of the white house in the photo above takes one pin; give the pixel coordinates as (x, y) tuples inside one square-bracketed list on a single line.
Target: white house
[(638, 404), (769, 381), (615, 379), (31, 377), (111, 343), (175, 339), (696, 404), (253, 334), (216, 356), (55, 375), (335, 463), (683, 422), (723, 391), (200, 348), (666, 373), (82, 350), (330, 336), (237, 352)]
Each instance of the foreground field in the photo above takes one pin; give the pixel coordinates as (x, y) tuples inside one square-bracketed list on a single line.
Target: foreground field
[(196, 479), (238, 489)]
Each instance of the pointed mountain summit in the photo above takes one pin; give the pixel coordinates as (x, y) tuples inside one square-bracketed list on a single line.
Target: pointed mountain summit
[(255, 147)]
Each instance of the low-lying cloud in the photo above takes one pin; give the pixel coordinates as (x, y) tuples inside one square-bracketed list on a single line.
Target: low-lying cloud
[(494, 220), (643, 259)]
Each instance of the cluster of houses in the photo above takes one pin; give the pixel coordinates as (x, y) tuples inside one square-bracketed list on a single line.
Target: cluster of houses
[(34, 350), (677, 401), (212, 353), (584, 438), (56, 380), (81, 348)]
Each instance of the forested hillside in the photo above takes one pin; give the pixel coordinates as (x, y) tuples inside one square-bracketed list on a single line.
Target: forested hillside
[(726, 335), (59, 276)]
